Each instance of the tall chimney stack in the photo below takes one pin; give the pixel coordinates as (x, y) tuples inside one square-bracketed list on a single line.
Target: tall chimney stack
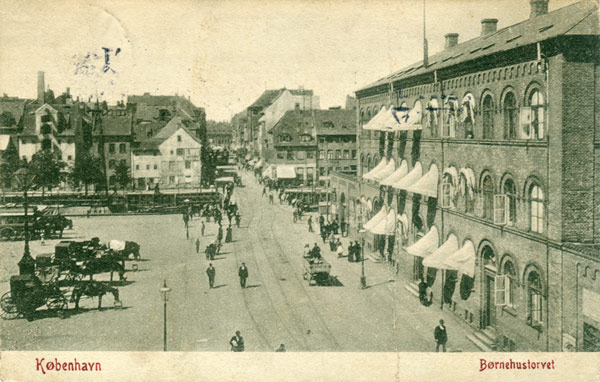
[(538, 8), (41, 87), (488, 26), (451, 40)]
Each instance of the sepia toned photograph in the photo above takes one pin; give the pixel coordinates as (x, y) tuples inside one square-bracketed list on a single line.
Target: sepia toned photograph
[(410, 176)]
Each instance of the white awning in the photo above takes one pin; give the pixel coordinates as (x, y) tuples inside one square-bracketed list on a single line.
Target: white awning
[(286, 172), (373, 123), (426, 245), (439, 256), (4, 140), (260, 163), (384, 172), (116, 245), (268, 172), (463, 260), (428, 184), (381, 215), (224, 179), (396, 175), (403, 120), (470, 178), (410, 178), (390, 223), (453, 174), (380, 165), (369, 205)]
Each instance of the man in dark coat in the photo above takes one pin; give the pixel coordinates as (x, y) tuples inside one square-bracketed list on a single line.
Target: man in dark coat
[(237, 219), (237, 342), (220, 233), (357, 254), (310, 228), (422, 291), (243, 273), (211, 272), (197, 246), (441, 337)]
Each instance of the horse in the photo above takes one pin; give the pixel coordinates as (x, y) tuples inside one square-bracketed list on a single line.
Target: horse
[(93, 289), (97, 265)]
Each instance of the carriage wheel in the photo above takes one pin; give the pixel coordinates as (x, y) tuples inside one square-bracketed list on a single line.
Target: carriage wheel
[(9, 308), (57, 305), (7, 234)]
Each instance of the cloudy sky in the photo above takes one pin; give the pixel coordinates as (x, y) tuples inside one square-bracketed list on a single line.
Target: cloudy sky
[(224, 54)]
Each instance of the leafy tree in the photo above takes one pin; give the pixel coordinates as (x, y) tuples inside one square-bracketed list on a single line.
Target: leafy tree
[(9, 164), (87, 170), (47, 167), (7, 119), (122, 174)]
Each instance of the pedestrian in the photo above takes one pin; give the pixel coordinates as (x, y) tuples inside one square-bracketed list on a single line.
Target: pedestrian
[(243, 273), (306, 252), (237, 220), (310, 228), (264, 193), (237, 342), (357, 255), (428, 296), (323, 234), (42, 238), (441, 337), (340, 249), (220, 233), (422, 291), (217, 250), (197, 246), (229, 236), (202, 228), (271, 198), (211, 272), (208, 251), (295, 215), (280, 349), (351, 249)]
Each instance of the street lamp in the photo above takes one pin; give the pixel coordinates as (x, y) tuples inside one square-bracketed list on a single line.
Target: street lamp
[(164, 291), (363, 278), (25, 179)]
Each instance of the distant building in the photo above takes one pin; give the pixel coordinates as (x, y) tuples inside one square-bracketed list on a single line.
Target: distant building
[(219, 134), (171, 158)]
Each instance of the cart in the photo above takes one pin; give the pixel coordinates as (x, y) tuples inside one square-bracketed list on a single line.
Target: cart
[(27, 293), (316, 271)]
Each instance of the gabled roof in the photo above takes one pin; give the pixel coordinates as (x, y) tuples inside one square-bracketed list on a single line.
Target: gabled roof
[(335, 122), (165, 133), (14, 106), (269, 97), (115, 125), (148, 106), (576, 19), (311, 122), (64, 111)]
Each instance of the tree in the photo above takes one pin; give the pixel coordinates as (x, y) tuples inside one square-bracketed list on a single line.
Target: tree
[(9, 164), (122, 174), (47, 167), (87, 170)]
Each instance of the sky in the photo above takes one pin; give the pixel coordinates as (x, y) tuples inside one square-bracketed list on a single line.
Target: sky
[(224, 54)]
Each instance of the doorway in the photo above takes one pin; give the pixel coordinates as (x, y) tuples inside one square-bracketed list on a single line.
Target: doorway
[(489, 311)]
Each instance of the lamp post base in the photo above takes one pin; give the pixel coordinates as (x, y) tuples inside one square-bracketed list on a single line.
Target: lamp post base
[(363, 282)]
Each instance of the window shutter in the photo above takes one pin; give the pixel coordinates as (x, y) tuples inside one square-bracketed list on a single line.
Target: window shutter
[(524, 123), (500, 209), (500, 292)]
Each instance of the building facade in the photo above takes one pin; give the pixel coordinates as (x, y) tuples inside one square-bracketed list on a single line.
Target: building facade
[(500, 172)]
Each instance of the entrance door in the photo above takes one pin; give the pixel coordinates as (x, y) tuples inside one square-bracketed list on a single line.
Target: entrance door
[(489, 312)]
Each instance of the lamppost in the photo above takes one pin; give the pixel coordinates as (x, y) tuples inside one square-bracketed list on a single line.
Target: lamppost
[(25, 180), (363, 278), (164, 290)]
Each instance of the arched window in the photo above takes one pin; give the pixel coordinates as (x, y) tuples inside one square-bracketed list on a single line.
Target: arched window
[(467, 113), (534, 298), (536, 102), (510, 190), (369, 163), (488, 197), (488, 117), (510, 116), (432, 114), (508, 269), (368, 114), (536, 208)]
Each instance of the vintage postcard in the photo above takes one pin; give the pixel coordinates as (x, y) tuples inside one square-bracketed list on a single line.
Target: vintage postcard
[(190, 189)]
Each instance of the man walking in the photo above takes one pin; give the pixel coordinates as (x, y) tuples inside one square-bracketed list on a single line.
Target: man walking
[(310, 228), (202, 227), (237, 219), (271, 198), (243, 273), (197, 246), (441, 337), (211, 272), (237, 342)]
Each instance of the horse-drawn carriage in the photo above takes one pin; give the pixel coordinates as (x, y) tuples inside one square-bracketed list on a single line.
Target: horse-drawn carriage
[(316, 271), (27, 294)]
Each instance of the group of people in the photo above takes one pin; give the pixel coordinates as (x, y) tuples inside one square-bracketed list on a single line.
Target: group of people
[(425, 293)]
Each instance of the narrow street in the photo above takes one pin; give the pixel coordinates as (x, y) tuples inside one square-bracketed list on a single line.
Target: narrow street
[(278, 306)]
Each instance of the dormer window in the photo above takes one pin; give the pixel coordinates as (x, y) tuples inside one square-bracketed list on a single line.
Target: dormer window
[(306, 138), (285, 138), (328, 124)]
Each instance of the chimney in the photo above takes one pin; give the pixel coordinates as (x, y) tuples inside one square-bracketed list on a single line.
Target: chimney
[(68, 92), (488, 26), (538, 8), (451, 40), (41, 87)]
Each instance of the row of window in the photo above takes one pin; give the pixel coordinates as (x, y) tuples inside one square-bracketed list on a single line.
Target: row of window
[(112, 148), (295, 155), (172, 165), (452, 117), (339, 154), (112, 163)]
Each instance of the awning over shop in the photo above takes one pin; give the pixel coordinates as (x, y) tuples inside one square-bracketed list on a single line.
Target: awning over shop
[(385, 171), (390, 223), (463, 260), (381, 215), (439, 256), (470, 181), (375, 170), (224, 179), (260, 163), (268, 172), (428, 184), (373, 123), (451, 171), (286, 172), (401, 119), (426, 245), (410, 178), (396, 175), (226, 168)]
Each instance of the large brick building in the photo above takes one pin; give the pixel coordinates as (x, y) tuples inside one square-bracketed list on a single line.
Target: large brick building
[(495, 182)]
